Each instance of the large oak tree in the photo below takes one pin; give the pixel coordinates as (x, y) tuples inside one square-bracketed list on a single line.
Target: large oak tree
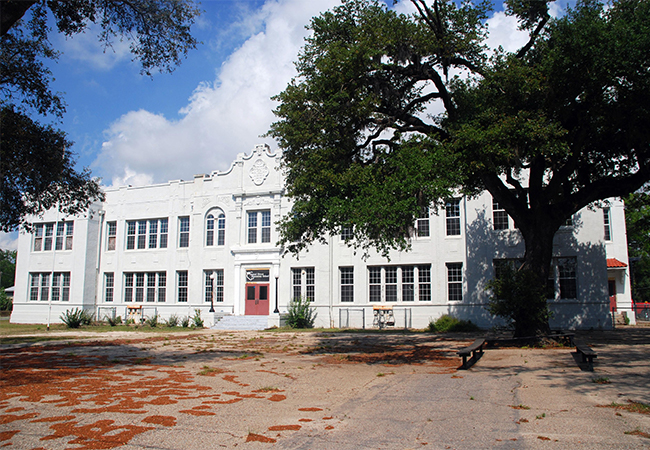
[(558, 125), (36, 163)]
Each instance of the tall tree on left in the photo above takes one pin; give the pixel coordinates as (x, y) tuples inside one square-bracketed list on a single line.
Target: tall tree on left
[(36, 165)]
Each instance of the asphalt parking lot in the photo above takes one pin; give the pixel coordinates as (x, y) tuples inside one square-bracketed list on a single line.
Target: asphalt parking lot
[(314, 390)]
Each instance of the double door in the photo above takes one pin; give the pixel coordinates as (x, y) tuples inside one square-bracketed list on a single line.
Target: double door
[(257, 299)]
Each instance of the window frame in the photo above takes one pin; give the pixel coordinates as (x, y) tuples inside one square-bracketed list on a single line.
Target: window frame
[(500, 218), (182, 286), (183, 231), (209, 285), (303, 283), (258, 226), (452, 217), (53, 236), (607, 224), (215, 226), (346, 280), (454, 281), (146, 234), (422, 223), (144, 287), (397, 283)]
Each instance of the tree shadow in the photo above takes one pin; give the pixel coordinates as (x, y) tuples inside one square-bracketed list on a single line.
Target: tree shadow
[(590, 310)]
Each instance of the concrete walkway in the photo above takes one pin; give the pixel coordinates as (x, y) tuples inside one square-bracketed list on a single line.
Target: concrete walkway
[(254, 390)]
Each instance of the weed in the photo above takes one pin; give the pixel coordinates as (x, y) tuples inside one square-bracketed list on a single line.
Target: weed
[(601, 380), (541, 416), (519, 406)]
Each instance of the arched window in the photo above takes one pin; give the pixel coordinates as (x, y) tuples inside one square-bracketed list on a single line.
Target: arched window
[(215, 222)]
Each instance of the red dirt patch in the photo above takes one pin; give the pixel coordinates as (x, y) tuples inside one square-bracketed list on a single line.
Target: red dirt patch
[(310, 409), (196, 412), (277, 397), (305, 420), (285, 428), (54, 419), (166, 421), (252, 437), (6, 435)]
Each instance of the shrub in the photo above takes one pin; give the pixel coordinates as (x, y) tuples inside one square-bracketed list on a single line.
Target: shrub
[(173, 321), (113, 321), (6, 303), (450, 324), (185, 322), (152, 321), (301, 314), (197, 321), (76, 318)]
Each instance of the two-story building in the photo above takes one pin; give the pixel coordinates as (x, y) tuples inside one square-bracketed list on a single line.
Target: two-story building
[(211, 243)]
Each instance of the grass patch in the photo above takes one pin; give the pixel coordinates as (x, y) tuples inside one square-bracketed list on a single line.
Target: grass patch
[(630, 406)]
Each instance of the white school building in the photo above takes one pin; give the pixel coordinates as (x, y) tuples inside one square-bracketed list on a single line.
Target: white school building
[(210, 243)]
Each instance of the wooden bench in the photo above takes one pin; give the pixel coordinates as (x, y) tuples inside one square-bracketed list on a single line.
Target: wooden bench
[(587, 353), (475, 348)]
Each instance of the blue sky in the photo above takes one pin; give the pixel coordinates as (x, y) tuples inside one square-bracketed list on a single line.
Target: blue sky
[(133, 129)]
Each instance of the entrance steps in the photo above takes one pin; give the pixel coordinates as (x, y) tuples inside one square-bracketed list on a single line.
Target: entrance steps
[(232, 323)]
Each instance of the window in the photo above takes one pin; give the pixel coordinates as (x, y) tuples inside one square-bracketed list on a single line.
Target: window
[(183, 232), (303, 283), (499, 216), (259, 227), (143, 234), (211, 283), (109, 286), (61, 286), (64, 232), (452, 212), (45, 238), (607, 224), (181, 278), (455, 282), (346, 233), (422, 224), (111, 235), (397, 283), (567, 277), (424, 283), (42, 285), (142, 286), (347, 284), (218, 221)]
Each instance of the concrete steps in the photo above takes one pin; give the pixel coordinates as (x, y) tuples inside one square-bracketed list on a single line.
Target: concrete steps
[(229, 322)]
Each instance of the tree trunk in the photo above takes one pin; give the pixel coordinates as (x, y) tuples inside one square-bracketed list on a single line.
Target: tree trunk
[(538, 237)]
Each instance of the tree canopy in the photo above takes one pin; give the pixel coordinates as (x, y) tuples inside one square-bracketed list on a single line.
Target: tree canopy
[(159, 36), (548, 130)]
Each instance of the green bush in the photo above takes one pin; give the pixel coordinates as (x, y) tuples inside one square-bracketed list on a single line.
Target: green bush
[(173, 321), (450, 324), (152, 321), (76, 318), (301, 314), (185, 322), (197, 321), (6, 303), (113, 321)]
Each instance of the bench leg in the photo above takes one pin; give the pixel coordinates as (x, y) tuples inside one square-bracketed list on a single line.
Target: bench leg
[(464, 362)]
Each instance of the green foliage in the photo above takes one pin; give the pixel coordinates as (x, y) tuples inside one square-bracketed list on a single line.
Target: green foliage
[(76, 318), (38, 172), (113, 321), (197, 321), (450, 324), (185, 322), (6, 303), (637, 220), (152, 321), (172, 321), (300, 314), (518, 298), (547, 131), (36, 165), (7, 268)]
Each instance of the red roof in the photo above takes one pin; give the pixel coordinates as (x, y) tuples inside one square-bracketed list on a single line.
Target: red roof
[(614, 263)]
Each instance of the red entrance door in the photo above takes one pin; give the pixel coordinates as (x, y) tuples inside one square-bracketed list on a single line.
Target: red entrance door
[(257, 300)]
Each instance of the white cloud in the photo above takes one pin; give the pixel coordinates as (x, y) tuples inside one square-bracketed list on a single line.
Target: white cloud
[(224, 117), (503, 32), (86, 48), (9, 241)]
